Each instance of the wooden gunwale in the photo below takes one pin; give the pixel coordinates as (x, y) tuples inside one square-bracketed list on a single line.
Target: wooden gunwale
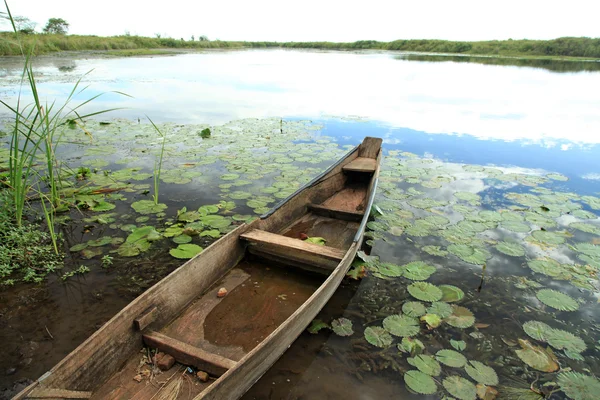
[(105, 351)]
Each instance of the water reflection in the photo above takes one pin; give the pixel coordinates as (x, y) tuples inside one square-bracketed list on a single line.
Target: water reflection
[(559, 66), (500, 103)]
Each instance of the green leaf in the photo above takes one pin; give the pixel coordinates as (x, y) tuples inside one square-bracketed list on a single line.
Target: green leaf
[(460, 388), (401, 325), (342, 327), (537, 357), (186, 251), (425, 291), (413, 309), (450, 293), (389, 269), (148, 207), (316, 325), (432, 320), (560, 339), (579, 386), (557, 300), (418, 271), (316, 240), (537, 330), (419, 382), (411, 346), (451, 358), (482, 373), (102, 206), (439, 308), (426, 364), (378, 336), (459, 345), (470, 254), (511, 249), (461, 317)]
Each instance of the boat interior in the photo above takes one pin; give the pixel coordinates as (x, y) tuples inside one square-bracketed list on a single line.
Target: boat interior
[(268, 273)]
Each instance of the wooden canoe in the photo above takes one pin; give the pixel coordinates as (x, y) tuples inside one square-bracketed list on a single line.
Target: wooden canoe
[(236, 338)]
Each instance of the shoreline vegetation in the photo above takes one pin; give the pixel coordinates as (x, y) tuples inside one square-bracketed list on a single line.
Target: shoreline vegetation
[(567, 48)]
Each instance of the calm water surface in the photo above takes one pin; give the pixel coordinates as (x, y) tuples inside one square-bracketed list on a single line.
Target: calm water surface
[(517, 118)]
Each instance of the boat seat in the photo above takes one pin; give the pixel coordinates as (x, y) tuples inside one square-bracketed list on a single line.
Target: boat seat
[(186, 354), (49, 393), (337, 213), (361, 164), (294, 251)]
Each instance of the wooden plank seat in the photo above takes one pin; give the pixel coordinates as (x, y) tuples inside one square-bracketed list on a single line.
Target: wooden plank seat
[(294, 250), (361, 164), (49, 393), (336, 213), (187, 354)]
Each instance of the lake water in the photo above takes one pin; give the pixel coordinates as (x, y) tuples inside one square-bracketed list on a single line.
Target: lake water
[(494, 131)]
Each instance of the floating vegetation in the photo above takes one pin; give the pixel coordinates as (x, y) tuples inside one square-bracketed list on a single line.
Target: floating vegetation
[(342, 327), (425, 291), (470, 254), (482, 373), (186, 251), (414, 308), (461, 317), (511, 249), (579, 386), (426, 364), (401, 325), (378, 336), (419, 382), (537, 357), (451, 294), (451, 358), (557, 338), (557, 300), (460, 388)]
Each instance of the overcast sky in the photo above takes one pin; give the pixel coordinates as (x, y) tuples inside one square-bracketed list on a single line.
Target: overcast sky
[(331, 20)]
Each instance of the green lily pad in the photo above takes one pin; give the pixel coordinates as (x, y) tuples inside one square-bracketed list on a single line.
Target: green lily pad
[(459, 345), (401, 325), (425, 291), (560, 340), (316, 325), (584, 227), (389, 269), (579, 386), (451, 358), (460, 388), (342, 327), (148, 207), (432, 320), (316, 240), (435, 251), (515, 226), (537, 357), (511, 249), (588, 249), (78, 247), (461, 317), (470, 254), (419, 382), (378, 336), (411, 346), (471, 198), (548, 238), (557, 177), (426, 364), (439, 308), (229, 177), (450, 293), (213, 233), (482, 373), (557, 300), (413, 308), (537, 330), (418, 271), (102, 206), (90, 253), (186, 251), (182, 239)]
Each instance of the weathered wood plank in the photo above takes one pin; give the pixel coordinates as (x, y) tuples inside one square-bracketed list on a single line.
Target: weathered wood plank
[(361, 164), (293, 246), (336, 213), (47, 393), (370, 147), (145, 319), (189, 355), (320, 266)]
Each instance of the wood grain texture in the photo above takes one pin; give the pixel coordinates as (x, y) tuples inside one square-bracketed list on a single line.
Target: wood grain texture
[(148, 317), (335, 213), (187, 354), (294, 247), (370, 146), (361, 164), (58, 394), (103, 353)]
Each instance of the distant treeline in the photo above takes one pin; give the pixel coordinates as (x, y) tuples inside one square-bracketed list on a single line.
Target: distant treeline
[(562, 47)]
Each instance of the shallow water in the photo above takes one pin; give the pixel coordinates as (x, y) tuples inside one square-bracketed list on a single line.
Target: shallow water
[(524, 122)]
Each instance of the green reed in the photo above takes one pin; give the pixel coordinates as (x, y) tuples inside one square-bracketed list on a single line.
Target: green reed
[(158, 164)]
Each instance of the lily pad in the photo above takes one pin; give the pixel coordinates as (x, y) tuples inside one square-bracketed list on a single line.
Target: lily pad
[(419, 382), (579, 386), (470, 254), (560, 340), (548, 238), (537, 330), (461, 317), (401, 325), (378, 336), (450, 293), (389, 269), (186, 251), (459, 345), (413, 308), (439, 308), (482, 373), (557, 300), (425, 291), (418, 271), (426, 364), (515, 226), (316, 240), (432, 320), (451, 358), (148, 207), (537, 357), (460, 388), (435, 251), (342, 327), (316, 325), (511, 249)]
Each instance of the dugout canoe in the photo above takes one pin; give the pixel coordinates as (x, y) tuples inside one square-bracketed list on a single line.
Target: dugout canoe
[(269, 273)]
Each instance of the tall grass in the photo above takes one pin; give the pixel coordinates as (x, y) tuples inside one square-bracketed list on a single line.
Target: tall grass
[(158, 164), (35, 131)]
